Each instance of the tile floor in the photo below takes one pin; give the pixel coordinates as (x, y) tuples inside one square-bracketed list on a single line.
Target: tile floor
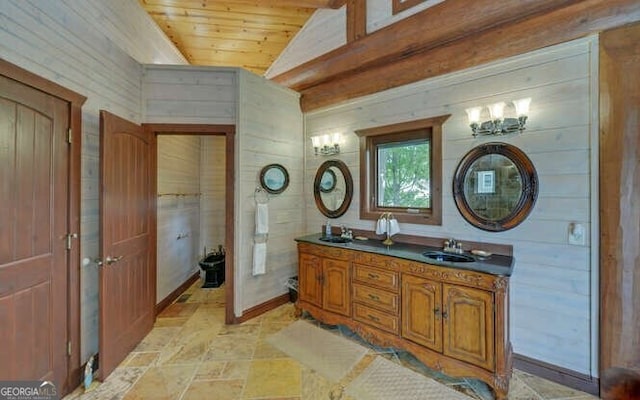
[(190, 354)]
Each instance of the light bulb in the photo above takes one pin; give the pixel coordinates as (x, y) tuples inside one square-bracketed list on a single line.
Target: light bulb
[(316, 141), (336, 138), (473, 114), (497, 110), (326, 140), (522, 106)]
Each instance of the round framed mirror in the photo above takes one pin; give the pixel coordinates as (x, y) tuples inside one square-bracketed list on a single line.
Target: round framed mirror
[(333, 188), (274, 178), (328, 181), (495, 186)]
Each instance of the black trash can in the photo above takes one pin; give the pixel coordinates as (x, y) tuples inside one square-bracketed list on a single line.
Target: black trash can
[(292, 284), (213, 266)]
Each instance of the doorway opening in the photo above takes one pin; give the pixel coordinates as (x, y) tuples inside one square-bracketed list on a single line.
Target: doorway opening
[(193, 197)]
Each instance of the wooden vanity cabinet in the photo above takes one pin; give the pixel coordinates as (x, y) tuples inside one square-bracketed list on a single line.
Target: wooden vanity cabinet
[(324, 278), (422, 312), (453, 320)]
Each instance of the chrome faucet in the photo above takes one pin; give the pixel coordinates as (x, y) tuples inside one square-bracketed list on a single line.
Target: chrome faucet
[(346, 233), (452, 246)]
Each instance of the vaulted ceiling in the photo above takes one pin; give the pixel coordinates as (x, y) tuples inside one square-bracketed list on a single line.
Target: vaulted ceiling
[(235, 33)]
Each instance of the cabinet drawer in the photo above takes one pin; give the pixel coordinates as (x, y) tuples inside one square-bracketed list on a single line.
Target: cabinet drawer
[(376, 298), (324, 251), (375, 318), (376, 277)]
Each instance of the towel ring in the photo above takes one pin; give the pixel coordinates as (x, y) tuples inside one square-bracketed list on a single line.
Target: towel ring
[(260, 195)]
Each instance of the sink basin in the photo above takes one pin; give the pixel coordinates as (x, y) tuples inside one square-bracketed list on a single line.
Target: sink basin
[(451, 257), (335, 239)]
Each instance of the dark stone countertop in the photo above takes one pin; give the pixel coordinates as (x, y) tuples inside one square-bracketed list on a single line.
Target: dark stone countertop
[(495, 264)]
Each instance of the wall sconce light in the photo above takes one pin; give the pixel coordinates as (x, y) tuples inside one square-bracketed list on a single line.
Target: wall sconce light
[(498, 124), (327, 145)]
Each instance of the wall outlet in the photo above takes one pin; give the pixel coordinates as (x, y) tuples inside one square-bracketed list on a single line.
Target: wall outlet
[(577, 234)]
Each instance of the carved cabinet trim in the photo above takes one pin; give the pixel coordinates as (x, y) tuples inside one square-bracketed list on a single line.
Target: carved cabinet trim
[(455, 321)]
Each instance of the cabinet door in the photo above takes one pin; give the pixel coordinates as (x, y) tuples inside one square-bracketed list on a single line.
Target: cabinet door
[(468, 325), (336, 294), (310, 279), (421, 311)]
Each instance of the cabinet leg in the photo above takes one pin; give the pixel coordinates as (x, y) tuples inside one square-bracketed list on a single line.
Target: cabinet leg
[(297, 311), (500, 387)]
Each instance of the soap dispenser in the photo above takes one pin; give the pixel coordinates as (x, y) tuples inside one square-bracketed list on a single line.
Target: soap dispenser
[(327, 229)]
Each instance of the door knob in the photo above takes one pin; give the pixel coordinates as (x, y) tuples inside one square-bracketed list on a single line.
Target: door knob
[(108, 261), (112, 260)]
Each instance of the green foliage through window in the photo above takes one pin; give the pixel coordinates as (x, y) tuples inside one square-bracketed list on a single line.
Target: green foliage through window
[(404, 174)]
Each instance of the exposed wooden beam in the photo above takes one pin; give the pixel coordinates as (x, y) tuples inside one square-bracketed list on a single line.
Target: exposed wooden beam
[(576, 19), (619, 189), (433, 27), (356, 19), (293, 3)]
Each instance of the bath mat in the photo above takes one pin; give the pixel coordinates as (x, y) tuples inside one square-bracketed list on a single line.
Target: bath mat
[(328, 354), (384, 379)]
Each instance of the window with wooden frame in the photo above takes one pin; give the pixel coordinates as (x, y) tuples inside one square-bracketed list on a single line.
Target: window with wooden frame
[(401, 171), (401, 5)]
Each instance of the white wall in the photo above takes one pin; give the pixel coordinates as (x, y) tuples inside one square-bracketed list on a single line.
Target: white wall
[(178, 211), (380, 13), (212, 187), (326, 30), (553, 288), (79, 44), (269, 131), (189, 95)]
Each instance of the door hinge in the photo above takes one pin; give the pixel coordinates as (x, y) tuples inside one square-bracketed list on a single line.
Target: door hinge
[(69, 348), (70, 136), (69, 237)]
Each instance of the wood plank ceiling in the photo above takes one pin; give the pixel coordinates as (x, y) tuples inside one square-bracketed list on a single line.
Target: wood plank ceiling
[(234, 33)]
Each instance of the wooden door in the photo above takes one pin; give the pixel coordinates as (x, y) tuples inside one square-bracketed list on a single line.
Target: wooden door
[(336, 294), (468, 325), (310, 279), (127, 274), (422, 311), (34, 215)]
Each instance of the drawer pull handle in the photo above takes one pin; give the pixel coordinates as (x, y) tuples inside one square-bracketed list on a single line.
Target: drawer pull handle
[(373, 318), (374, 297), (373, 276), (436, 311)]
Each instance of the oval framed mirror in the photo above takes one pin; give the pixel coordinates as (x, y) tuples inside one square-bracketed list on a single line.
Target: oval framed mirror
[(495, 186), (274, 178), (333, 188), (328, 181)]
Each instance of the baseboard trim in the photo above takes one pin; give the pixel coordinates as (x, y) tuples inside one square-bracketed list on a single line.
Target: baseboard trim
[(262, 308), (176, 293), (554, 373)]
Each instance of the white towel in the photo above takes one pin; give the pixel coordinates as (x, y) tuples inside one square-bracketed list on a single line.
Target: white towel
[(259, 258), (393, 227), (381, 226), (262, 219)]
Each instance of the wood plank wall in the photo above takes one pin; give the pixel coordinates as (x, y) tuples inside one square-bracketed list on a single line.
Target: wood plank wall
[(327, 27), (80, 45), (178, 251), (189, 95), (269, 131), (552, 292), (212, 187), (326, 30)]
